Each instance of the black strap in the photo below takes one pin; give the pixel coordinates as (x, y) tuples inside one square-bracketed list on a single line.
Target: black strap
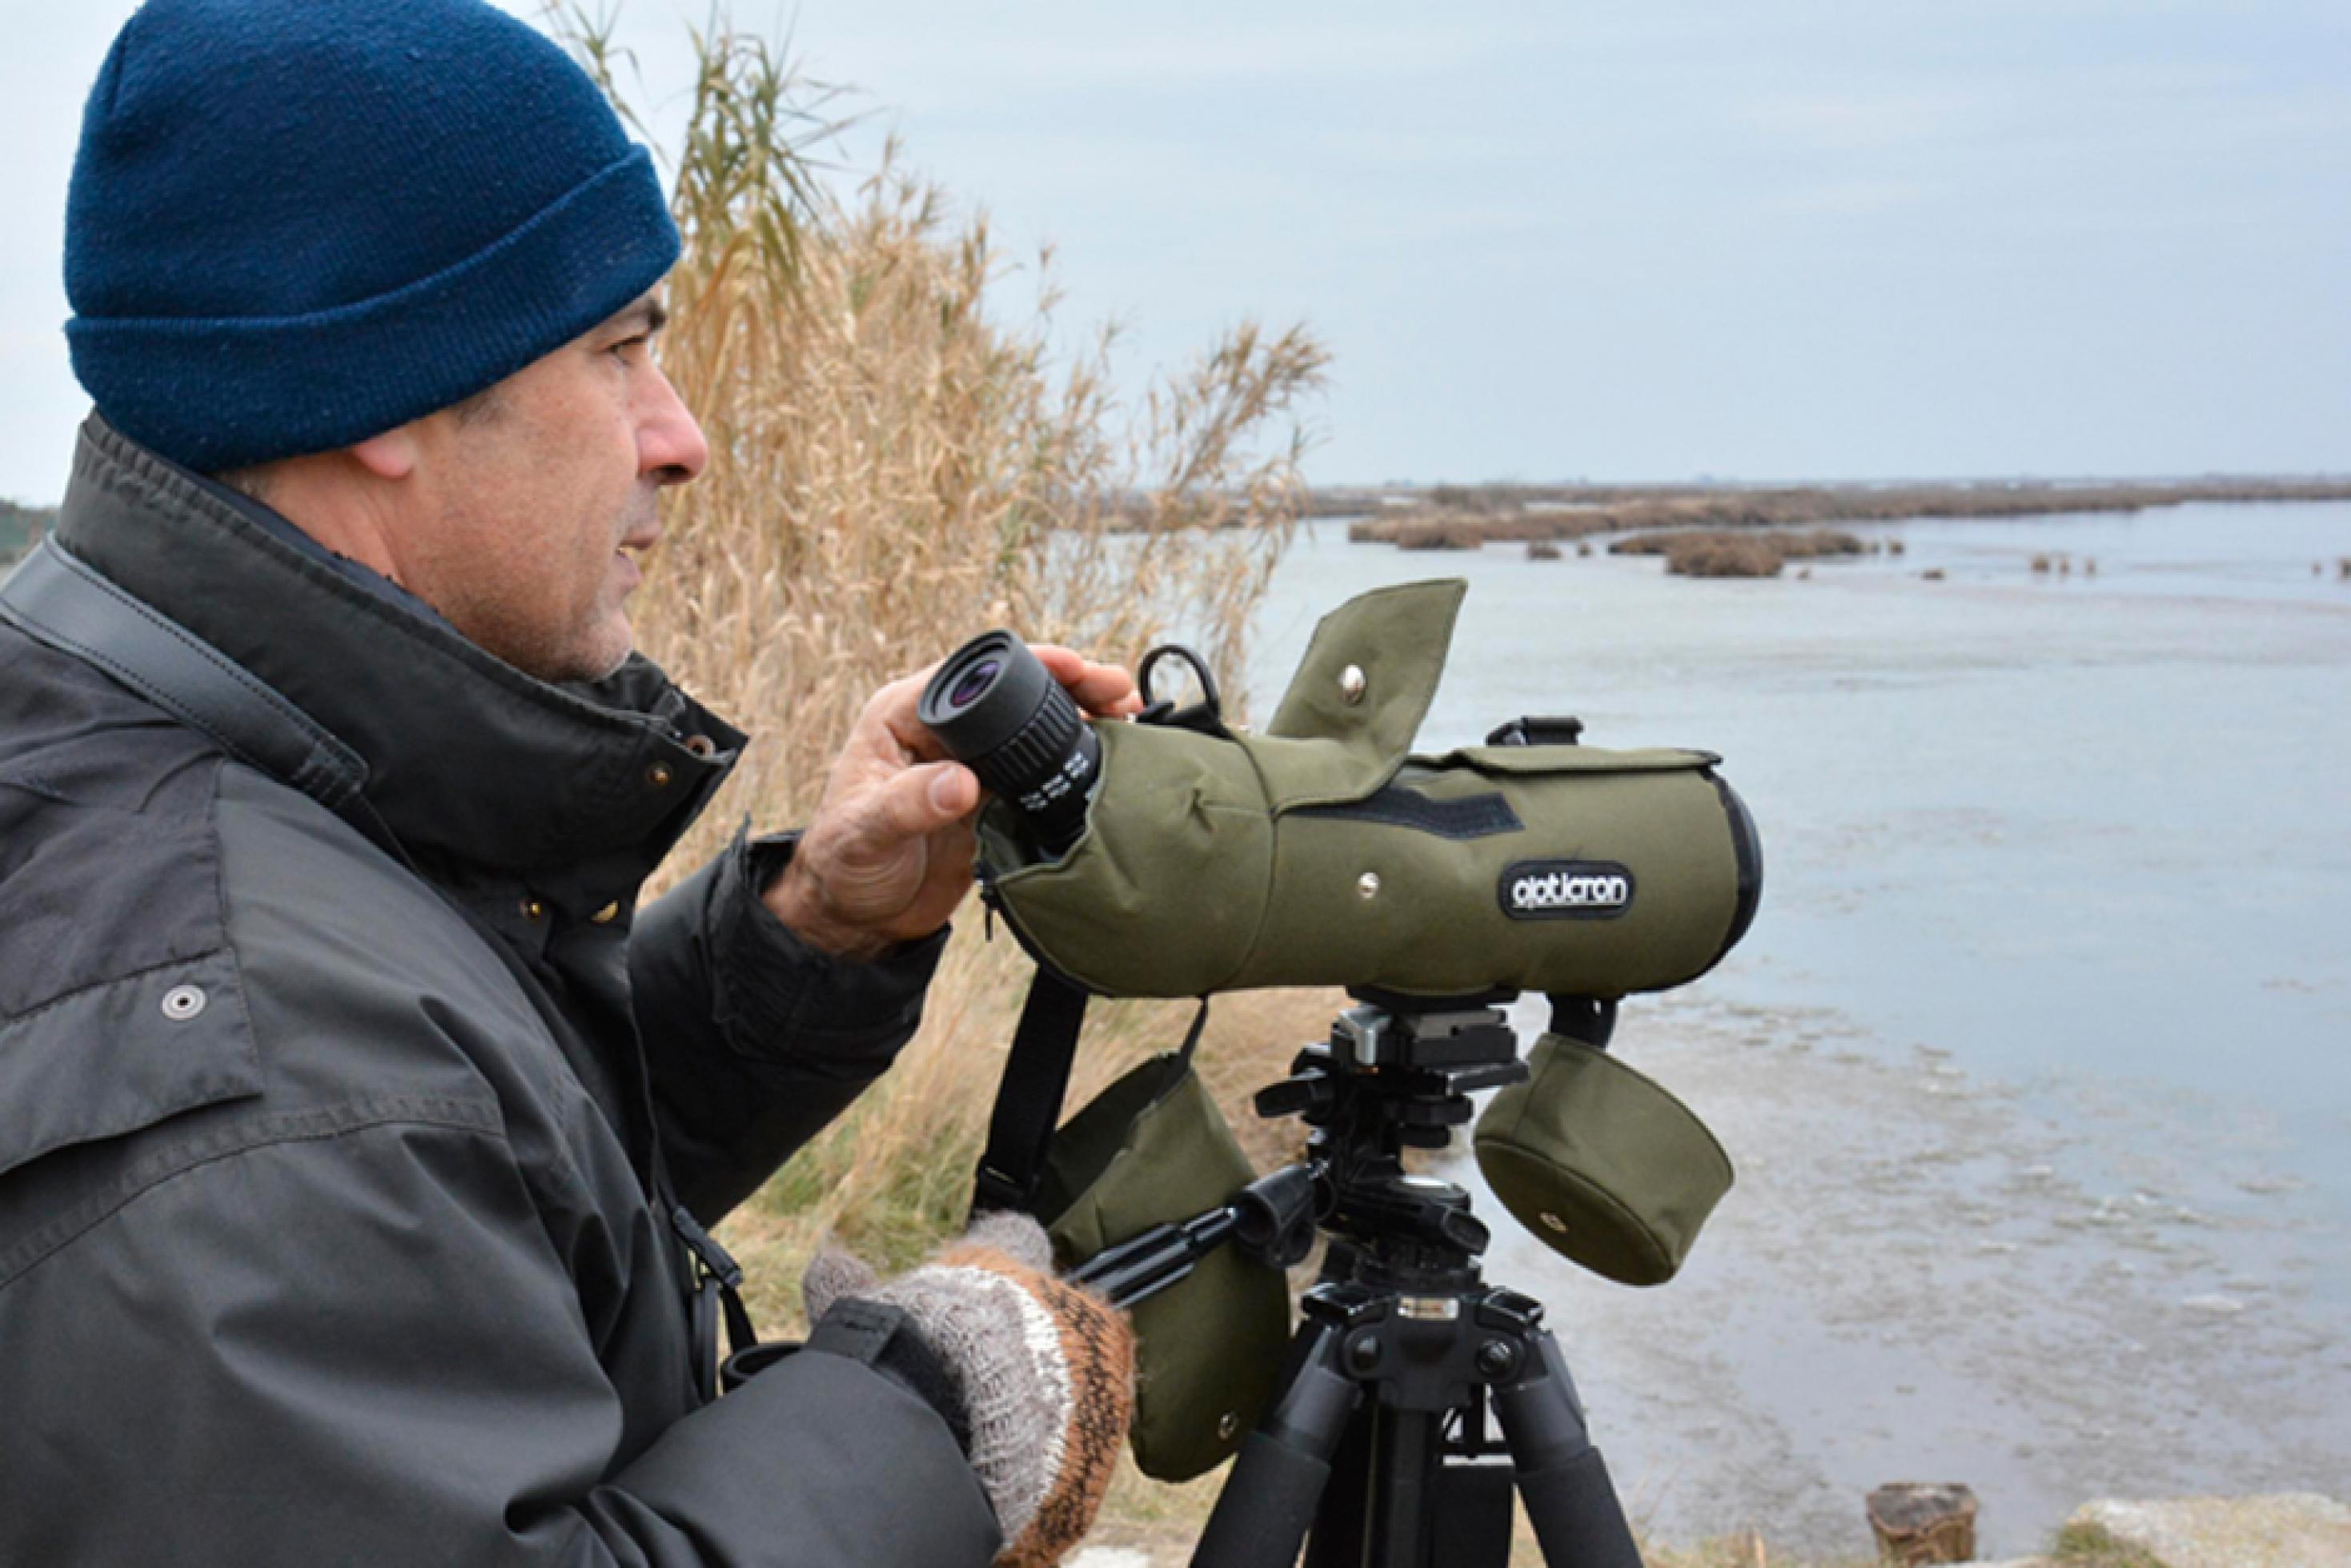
[(56, 599), (1192, 1035), (61, 603), (718, 1286), (885, 1338), (1207, 715), (1029, 1097)]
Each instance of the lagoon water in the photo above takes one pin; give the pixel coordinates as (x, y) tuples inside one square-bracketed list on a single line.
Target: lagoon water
[(2036, 1066)]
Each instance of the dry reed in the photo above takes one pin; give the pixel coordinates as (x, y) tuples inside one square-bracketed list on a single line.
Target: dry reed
[(899, 460)]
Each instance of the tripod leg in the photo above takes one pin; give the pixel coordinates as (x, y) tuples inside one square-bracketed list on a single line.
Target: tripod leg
[(1341, 1516), (1407, 1446), (1570, 1500), (1262, 1518)]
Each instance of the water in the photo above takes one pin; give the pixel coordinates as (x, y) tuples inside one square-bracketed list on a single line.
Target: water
[(2037, 1064)]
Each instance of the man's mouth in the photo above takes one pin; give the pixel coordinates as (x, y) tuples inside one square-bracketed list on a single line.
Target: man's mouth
[(643, 537), (643, 531)]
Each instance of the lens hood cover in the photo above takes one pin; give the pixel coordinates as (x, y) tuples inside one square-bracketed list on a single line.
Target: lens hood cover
[(1602, 1166)]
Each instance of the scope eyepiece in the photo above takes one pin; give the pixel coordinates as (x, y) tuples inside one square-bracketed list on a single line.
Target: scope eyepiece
[(1001, 714)]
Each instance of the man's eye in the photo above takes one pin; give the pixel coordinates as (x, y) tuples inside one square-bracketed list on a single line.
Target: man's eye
[(624, 345)]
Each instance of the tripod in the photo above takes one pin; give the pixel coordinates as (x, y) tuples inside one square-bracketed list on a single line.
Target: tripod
[(1377, 1452)]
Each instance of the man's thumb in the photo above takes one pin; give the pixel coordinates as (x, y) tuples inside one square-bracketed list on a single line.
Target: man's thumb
[(913, 805), (952, 789)]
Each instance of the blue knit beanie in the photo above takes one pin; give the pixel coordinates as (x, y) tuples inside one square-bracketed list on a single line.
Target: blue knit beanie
[(296, 224)]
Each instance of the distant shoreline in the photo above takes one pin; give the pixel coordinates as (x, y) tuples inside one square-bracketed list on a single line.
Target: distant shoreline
[(1464, 516)]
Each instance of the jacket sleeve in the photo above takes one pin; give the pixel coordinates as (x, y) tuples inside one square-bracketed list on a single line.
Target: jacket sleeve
[(756, 1040), (363, 1345)]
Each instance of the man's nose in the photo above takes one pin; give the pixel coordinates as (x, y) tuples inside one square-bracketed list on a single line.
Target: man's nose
[(670, 443)]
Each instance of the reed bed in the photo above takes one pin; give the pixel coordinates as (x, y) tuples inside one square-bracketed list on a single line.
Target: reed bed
[(1721, 553), (1446, 527), (1791, 545), (900, 459), (1466, 516), (1716, 556)]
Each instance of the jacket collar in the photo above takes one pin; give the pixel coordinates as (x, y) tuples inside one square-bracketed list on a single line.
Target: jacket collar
[(482, 772)]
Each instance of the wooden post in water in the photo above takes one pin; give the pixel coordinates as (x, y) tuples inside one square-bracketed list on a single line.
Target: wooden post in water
[(1919, 1521)]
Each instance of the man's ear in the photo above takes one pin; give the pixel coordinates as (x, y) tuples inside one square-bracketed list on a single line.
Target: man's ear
[(390, 456)]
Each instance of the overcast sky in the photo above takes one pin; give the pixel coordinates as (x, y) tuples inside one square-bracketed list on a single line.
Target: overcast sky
[(1646, 240)]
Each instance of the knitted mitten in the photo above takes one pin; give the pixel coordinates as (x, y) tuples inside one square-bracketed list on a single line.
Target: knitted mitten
[(1046, 1372)]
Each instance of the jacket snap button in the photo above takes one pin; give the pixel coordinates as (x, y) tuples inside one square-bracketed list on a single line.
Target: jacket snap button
[(182, 1003), (700, 745), (658, 776), (1368, 885), (532, 909), (1352, 683)]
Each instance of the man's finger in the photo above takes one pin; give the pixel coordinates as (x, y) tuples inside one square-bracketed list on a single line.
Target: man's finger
[(1104, 689)]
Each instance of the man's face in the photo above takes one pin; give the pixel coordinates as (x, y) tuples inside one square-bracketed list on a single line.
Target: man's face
[(533, 498)]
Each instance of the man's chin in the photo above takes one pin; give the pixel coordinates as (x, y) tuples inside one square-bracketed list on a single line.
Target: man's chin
[(596, 657), (612, 650)]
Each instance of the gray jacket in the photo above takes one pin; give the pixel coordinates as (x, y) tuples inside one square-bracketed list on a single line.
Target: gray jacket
[(337, 1203)]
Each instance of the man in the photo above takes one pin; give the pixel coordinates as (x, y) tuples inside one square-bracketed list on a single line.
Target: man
[(357, 1144)]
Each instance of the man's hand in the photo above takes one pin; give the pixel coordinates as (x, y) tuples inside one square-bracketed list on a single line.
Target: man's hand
[(1047, 1411), (888, 856)]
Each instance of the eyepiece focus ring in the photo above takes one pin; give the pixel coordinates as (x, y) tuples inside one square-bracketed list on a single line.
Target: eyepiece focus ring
[(1000, 712)]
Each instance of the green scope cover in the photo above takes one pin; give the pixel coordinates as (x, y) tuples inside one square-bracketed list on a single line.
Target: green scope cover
[(1322, 852), (1153, 1149)]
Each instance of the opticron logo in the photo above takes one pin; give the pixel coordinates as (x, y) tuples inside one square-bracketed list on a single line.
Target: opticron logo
[(1566, 890)]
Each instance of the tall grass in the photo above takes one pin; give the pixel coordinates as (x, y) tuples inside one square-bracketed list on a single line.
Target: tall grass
[(900, 459)]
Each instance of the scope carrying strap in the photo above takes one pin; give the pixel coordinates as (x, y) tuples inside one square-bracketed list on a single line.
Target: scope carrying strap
[(62, 603), (1029, 1097)]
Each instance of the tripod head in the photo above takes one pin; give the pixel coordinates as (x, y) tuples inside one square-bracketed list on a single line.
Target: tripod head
[(1396, 1073)]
